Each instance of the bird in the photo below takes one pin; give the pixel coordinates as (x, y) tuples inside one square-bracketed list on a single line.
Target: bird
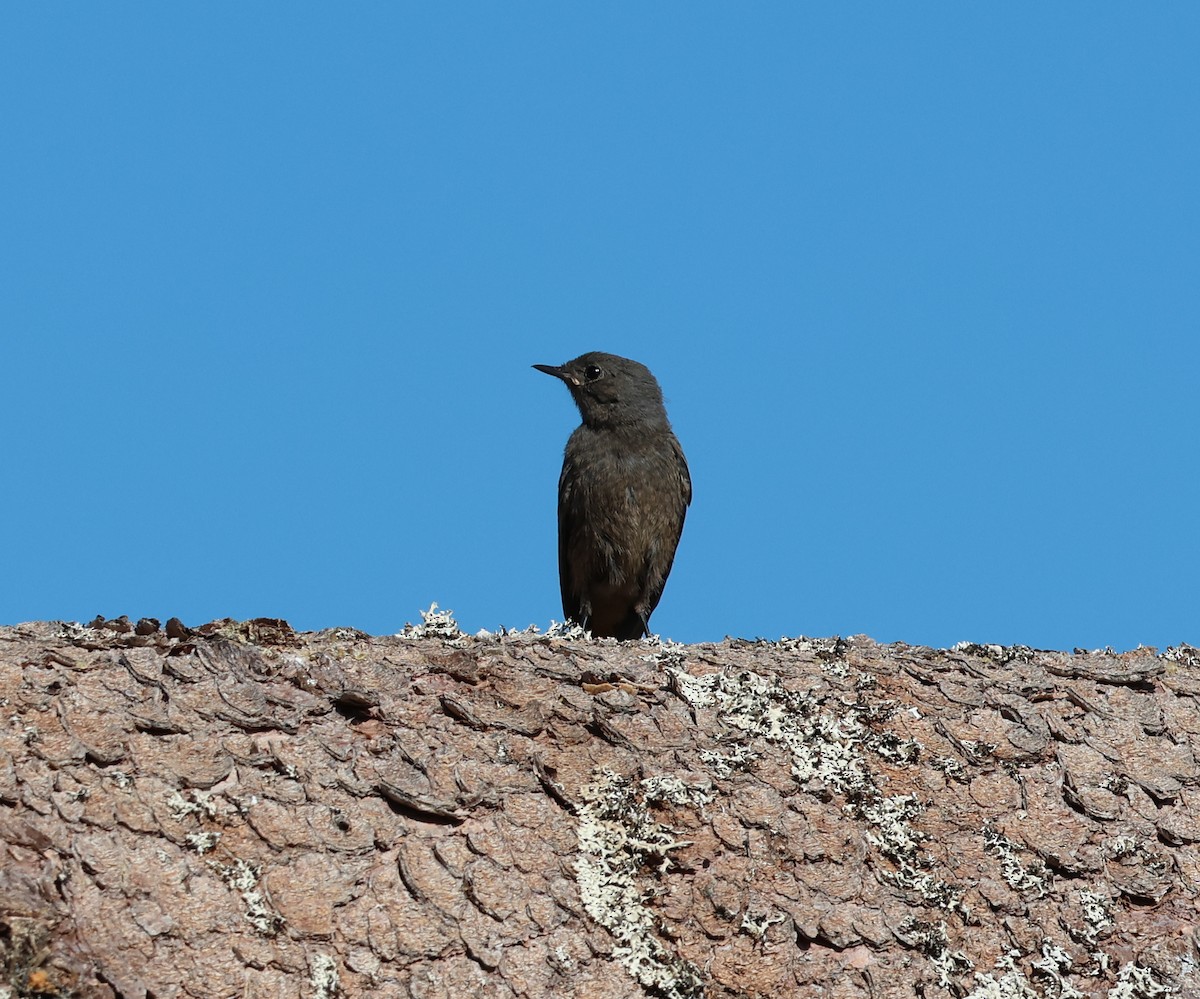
[(622, 496)]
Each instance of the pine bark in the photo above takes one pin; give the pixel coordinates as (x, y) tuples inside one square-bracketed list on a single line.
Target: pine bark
[(243, 810)]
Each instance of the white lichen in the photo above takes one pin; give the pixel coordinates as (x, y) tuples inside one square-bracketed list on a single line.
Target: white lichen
[(619, 840), (1136, 982), (1035, 878), (1097, 914), (561, 961), (202, 803), (73, 631), (529, 631), (242, 877), (1186, 655), (827, 750), (202, 842), (891, 818), (1002, 654), (979, 750), (797, 643), (839, 669), (324, 978), (951, 766), (756, 924), (434, 624), (567, 631), (1011, 986), (725, 765), (869, 681), (932, 940), (1122, 846), (667, 654), (675, 791), (1054, 964)]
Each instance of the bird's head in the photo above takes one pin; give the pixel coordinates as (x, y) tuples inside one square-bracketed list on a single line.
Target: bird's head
[(611, 391)]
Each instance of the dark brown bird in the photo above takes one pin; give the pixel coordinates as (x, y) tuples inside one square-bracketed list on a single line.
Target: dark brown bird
[(622, 496)]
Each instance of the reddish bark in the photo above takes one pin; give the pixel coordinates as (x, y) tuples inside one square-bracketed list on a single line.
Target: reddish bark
[(242, 810)]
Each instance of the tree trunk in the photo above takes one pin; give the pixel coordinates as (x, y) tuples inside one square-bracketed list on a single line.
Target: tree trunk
[(244, 811)]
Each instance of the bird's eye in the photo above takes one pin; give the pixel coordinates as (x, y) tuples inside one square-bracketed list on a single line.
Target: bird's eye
[(592, 372)]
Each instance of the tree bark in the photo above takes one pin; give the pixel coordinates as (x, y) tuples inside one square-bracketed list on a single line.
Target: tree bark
[(246, 811)]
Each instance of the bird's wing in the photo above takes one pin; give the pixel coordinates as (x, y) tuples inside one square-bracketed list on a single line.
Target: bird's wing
[(656, 582), (686, 476), (570, 601)]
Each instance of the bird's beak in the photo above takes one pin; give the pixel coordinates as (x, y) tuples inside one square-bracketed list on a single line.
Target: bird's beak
[(556, 372)]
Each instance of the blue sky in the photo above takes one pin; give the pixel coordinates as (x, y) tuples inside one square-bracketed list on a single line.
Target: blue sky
[(921, 284)]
